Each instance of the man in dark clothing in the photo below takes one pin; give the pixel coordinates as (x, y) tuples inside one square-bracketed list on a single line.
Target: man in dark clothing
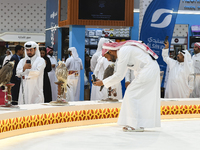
[(19, 51)]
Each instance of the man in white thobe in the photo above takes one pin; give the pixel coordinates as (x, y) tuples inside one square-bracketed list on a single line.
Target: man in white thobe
[(98, 66), (8, 56), (141, 103), (52, 74), (74, 65), (31, 74), (98, 53), (180, 78), (96, 94), (196, 63)]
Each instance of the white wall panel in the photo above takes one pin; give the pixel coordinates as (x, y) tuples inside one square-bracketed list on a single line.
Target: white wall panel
[(23, 16)]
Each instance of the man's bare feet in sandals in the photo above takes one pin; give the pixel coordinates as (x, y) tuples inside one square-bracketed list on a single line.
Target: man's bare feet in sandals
[(131, 129)]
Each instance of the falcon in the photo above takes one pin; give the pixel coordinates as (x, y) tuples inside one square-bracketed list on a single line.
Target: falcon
[(6, 73), (107, 73), (61, 74)]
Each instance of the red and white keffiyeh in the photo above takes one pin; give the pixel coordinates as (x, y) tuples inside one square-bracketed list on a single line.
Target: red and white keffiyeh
[(197, 44), (118, 45), (49, 49)]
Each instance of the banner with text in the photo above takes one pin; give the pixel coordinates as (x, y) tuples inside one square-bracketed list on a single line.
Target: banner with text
[(158, 22), (52, 24)]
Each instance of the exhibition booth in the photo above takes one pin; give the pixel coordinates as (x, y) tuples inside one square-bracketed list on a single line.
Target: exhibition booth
[(68, 24)]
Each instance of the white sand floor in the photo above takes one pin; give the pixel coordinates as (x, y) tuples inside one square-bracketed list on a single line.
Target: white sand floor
[(181, 134)]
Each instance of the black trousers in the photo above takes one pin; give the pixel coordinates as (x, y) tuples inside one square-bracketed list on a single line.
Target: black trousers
[(15, 92)]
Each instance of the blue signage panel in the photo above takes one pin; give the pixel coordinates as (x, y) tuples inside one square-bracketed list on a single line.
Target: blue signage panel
[(158, 22), (51, 13), (52, 24)]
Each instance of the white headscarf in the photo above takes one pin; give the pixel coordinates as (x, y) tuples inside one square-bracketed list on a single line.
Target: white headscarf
[(10, 52), (77, 61), (188, 62), (8, 57), (74, 53), (32, 44), (100, 44)]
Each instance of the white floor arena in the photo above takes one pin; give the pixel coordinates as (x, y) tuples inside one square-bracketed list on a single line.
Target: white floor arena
[(179, 134)]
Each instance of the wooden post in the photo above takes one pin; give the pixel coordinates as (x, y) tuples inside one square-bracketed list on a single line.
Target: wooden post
[(60, 101)]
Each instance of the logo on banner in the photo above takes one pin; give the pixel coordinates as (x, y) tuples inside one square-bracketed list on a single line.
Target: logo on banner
[(158, 14), (53, 15), (158, 22), (53, 30)]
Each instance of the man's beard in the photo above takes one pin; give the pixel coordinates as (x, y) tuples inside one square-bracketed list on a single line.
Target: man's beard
[(196, 52), (112, 58), (30, 56), (51, 54)]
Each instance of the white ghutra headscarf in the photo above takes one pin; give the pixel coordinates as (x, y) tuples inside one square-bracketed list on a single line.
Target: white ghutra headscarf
[(188, 62), (118, 45), (74, 52), (76, 57), (32, 44), (100, 44)]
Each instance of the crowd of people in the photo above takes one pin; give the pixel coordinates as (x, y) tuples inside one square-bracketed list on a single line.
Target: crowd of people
[(34, 75)]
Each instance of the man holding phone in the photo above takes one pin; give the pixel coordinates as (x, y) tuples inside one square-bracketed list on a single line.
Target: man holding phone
[(141, 103), (180, 79), (31, 69)]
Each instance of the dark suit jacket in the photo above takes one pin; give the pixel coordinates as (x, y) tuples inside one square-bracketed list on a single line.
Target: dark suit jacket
[(16, 59), (15, 80)]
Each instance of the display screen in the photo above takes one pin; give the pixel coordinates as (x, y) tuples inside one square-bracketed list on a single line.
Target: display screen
[(63, 10), (102, 9)]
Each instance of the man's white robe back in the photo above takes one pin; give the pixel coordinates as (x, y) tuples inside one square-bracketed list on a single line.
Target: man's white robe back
[(141, 102), (72, 80)]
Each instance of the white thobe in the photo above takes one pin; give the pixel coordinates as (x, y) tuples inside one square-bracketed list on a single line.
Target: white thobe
[(196, 63), (93, 61), (96, 94), (52, 78), (31, 88), (73, 91), (6, 59), (166, 77), (180, 81), (129, 75), (141, 102), (98, 53)]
